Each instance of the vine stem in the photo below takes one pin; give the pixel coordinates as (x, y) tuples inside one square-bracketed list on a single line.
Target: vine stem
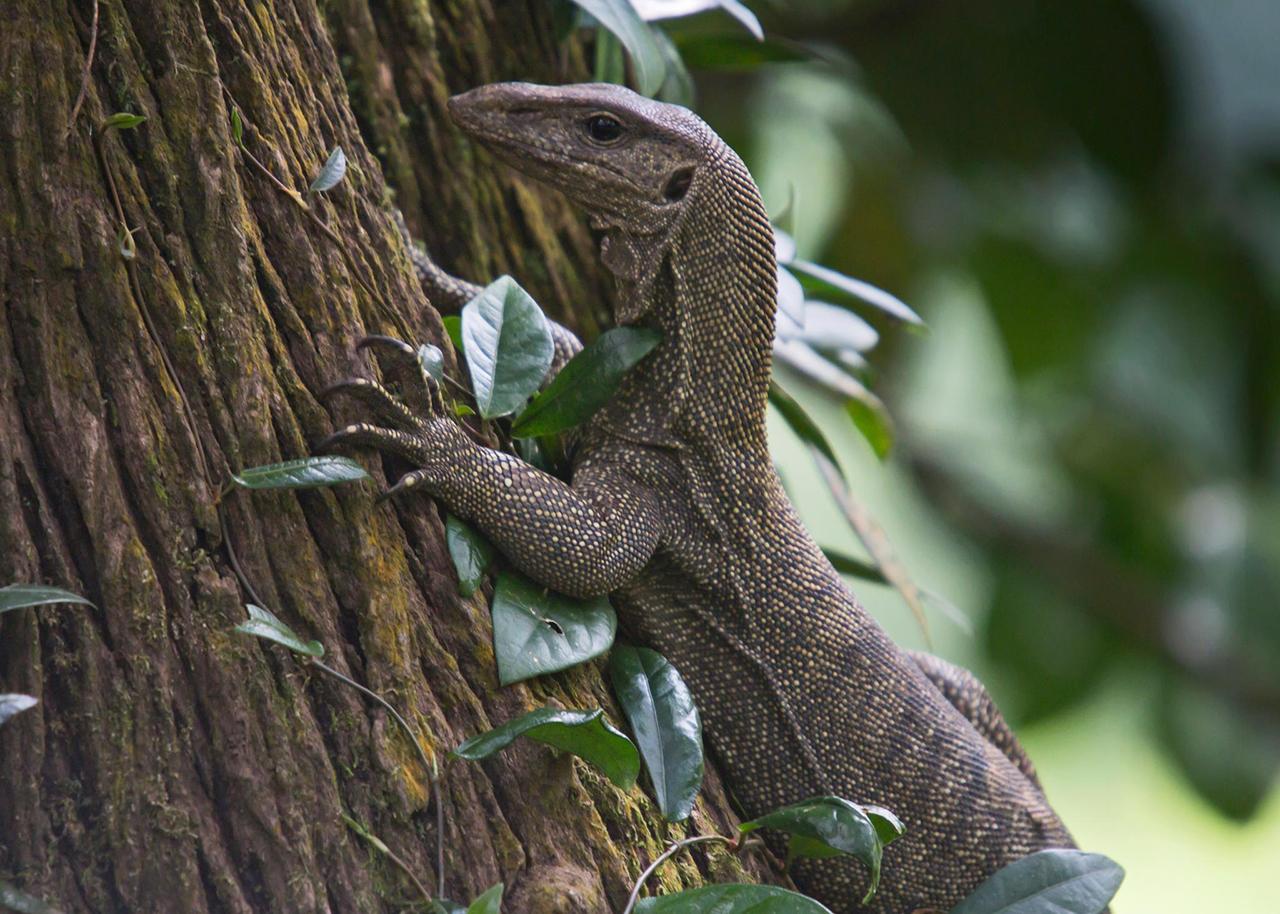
[(84, 73), (427, 764), (667, 855)]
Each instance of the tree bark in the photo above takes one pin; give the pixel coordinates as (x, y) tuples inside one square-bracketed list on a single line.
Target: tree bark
[(171, 764)]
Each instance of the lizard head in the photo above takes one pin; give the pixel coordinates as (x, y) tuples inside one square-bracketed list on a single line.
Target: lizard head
[(626, 159)]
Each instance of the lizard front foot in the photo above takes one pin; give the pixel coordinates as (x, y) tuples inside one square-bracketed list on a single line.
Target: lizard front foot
[(415, 425)]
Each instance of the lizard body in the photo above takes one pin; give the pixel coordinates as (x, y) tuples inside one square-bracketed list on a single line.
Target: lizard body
[(674, 508)]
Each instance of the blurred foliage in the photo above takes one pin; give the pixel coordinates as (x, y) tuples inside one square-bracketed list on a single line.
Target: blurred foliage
[(1089, 193)]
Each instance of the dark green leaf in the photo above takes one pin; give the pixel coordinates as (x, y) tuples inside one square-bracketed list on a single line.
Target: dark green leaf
[(536, 631), (887, 825), (12, 703), (431, 360), (620, 17), (666, 724), (732, 51), (871, 418), (304, 473), (732, 899), (508, 347), (18, 596), (445, 906), (453, 327), (586, 383), (586, 734), (334, 170), (471, 553), (1048, 882), (824, 281), (263, 624), (1196, 725), (488, 903), (829, 826), (237, 127), (856, 568), (21, 902), (804, 427), (123, 121)]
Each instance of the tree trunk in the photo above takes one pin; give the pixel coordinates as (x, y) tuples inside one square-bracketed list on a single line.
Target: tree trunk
[(171, 764)]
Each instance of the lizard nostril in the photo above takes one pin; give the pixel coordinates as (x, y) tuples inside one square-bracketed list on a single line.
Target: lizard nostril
[(678, 184)]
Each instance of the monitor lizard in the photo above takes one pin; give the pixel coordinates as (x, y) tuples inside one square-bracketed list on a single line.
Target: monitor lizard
[(674, 509)]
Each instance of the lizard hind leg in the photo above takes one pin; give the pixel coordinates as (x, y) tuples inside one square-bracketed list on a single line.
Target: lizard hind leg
[(969, 696)]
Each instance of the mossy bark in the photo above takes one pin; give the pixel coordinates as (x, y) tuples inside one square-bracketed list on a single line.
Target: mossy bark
[(172, 765)]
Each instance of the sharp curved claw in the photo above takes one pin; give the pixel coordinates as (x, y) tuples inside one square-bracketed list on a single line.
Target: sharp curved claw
[(389, 342), (407, 481)]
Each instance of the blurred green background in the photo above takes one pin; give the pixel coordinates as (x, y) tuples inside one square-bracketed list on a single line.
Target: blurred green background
[(1082, 199)]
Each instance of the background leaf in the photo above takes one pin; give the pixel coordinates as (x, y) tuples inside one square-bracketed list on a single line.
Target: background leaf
[(263, 624), (805, 428), (620, 17), (471, 553), (488, 903), (13, 703), (825, 281), (586, 734), (537, 631), (586, 383), (18, 596), (732, 899), (123, 120), (665, 721), (431, 360), (1048, 882), (303, 473), (333, 171), (508, 347)]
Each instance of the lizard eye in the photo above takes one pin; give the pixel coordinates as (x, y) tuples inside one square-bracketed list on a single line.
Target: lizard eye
[(603, 129)]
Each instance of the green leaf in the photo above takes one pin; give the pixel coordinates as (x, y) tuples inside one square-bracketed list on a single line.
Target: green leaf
[(656, 10), (263, 624), (856, 568), (636, 35), (304, 473), (431, 361), (611, 64), (862, 406), (831, 825), (732, 899), (887, 825), (453, 327), (445, 906), (586, 734), (784, 246), (1048, 882), (536, 631), (734, 52), (237, 127), (19, 596), (488, 903), (586, 383), (334, 170), (508, 347), (14, 703), (123, 120), (799, 421), (790, 296), (871, 418), (678, 87), (665, 721), (825, 281), (21, 902), (828, 327), (471, 553)]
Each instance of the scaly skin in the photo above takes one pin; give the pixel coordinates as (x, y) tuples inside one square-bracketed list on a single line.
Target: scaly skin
[(675, 510)]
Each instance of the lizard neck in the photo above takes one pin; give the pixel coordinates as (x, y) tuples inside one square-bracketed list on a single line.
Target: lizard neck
[(708, 281)]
